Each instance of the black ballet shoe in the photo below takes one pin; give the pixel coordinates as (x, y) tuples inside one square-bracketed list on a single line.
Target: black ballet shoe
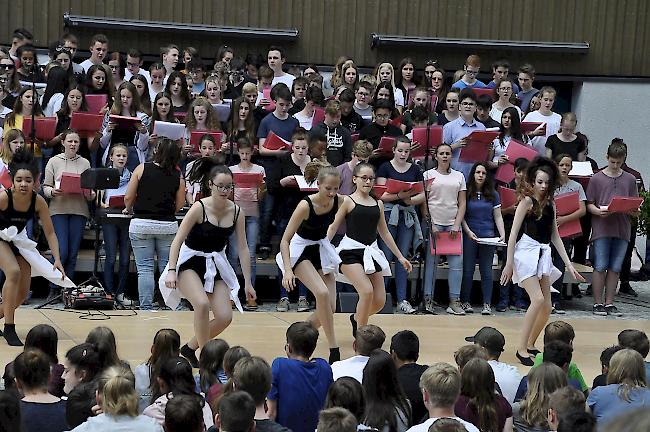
[(354, 326), (11, 336), (533, 351), (525, 360), (190, 355), (335, 355)]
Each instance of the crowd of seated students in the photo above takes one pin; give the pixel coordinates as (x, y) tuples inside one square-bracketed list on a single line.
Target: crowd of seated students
[(235, 109), (377, 389)]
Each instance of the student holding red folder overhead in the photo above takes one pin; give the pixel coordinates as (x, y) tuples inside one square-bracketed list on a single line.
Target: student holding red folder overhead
[(400, 214), (127, 104), (446, 208), (610, 231), (529, 262), (69, 210), (566, 186), (455, 132)]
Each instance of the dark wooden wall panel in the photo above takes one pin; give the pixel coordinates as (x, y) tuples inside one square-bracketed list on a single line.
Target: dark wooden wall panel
[(617, 31)]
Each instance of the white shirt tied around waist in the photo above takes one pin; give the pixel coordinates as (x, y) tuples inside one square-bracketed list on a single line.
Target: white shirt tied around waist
[(27, 249), (329, 259), (371, 254), (533, 258), (215, 263)]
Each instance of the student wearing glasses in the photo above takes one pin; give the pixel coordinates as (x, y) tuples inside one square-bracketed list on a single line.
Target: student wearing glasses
[(363, 97), (455, 132), (472, 67)]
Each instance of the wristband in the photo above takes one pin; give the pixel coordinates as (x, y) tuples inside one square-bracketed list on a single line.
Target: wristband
[(171, 269)]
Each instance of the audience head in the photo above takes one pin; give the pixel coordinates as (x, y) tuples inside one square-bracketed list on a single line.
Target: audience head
[(347, 392), (477, 384), (632, 339), (405, 346), (81, 365), (562, 402), (626, 368), (32, 371), (542, 381), (582, 422), (440, 385), (116, 392), (606, 357), (232, 357), (183, 414), (468, 352), (336, 420), (558, 353), (210, 362), (104, 341), (10, 420), (45, 338), (491, 339), (637, 420), (176, 377), (559, 331), (79, 406), (236, 413), (253, 375), (301, 340), (369, 338), (447, 424)]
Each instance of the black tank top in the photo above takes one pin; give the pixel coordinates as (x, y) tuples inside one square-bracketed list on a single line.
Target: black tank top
[(13, 217), (361, 223), (156, 197), (540, 229), (206, 237), (315, 227)]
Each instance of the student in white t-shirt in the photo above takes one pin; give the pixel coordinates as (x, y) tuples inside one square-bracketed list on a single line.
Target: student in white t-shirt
[(134, 65), (440, 385), (313, 98), (276, 59), (98, 50), (545, 115), (367, 338)]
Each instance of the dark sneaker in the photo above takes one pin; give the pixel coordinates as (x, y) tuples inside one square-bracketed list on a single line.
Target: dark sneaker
[(613, 311), (599, 309), (265, 253), (625, 288)]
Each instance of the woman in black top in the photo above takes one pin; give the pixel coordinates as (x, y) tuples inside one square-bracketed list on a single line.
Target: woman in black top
[(306, 252), (198, 265), (18, 254), (566, 140), (529, 261), (155, 193), (362, 262)]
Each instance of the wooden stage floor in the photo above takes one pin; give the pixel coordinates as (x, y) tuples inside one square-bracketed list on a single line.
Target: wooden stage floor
[(263, 333)]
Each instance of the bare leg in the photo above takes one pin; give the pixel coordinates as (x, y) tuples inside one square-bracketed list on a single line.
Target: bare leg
[(598, 285), (330, 282), (611, 282), (378, 293), (361, 282), (11, 292), (543, 314), (532, 287), (314, 282), (192, 289), (222, 311)]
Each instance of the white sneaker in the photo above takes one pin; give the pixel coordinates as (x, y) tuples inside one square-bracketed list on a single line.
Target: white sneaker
[(406, 307), (429, 305), (487, 310), (467, 307), (303, 305), (283, 305), (455, 308), (125, 301)]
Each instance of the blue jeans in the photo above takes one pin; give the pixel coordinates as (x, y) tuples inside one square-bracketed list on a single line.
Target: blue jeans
[(69, 232), (471, 251), (403, 237), (252, 228), (302, 289), (609, 253), (265, 219), (114, 234), (455, 274), (144, 247)]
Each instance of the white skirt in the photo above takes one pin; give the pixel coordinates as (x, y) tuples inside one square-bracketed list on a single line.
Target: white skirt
[(533, 258)]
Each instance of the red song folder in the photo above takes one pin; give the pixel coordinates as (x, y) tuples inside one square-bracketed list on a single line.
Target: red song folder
[(5, 179), (116, 201), (378, 190), (267, 95), (484, 91), (508, 196), (394, 186), (247, 179), (319, 116), (386, 144), (86, 123), (531, 126), (443, 244), (355, 137), (478, 146), (124, 122), (195, 139), (566, 204), (624, 204), (45, 127), (506, 172), (420, 136), (70, 183), (96, 102), (274, 142)]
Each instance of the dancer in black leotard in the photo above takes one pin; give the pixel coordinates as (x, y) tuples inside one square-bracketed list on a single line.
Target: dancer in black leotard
[(363, 263), (529, 262), (19, 258), (198, 265), (306, 252)]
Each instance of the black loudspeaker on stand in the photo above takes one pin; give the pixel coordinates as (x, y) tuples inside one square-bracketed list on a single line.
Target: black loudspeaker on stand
[(95, 179)]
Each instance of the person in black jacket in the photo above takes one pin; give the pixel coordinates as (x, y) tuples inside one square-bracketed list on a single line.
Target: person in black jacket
[(339, 139)]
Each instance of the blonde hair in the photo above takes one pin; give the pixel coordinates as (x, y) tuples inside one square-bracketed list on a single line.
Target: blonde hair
[(211, 120), (117, 387), (441, 381), (626, 368), (5, 151), (362, 149), (319, 169), (249, 88), (542, 381), (392, 73)]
